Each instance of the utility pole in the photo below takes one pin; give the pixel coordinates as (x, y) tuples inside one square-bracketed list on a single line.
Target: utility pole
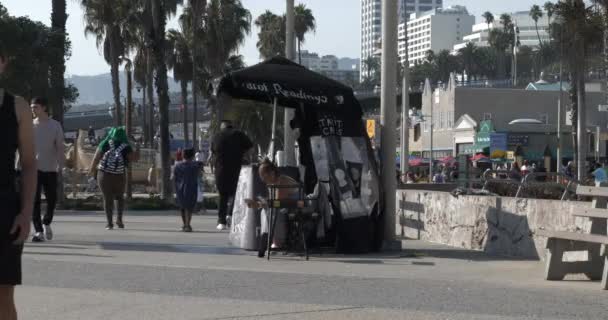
[(388, 114), (558, 153), (515, 47), (431, 119), (405, 99), (290, 53)]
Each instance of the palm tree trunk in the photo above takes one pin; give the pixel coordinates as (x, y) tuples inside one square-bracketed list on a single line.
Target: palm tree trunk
[(129, 124), (57, 68), (540, 56), (299, 51), (115, 79), (581, 125), (184, 87), (57, 72), (144, 115), (159, 17), (502, 68), (150, 88), (540, 42), (194, 106)]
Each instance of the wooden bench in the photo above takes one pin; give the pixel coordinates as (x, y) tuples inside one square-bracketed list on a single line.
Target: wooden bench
[(595, 243)]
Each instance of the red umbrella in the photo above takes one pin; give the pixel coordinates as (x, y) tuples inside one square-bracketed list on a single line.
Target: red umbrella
[(447, 160), (479, 157)]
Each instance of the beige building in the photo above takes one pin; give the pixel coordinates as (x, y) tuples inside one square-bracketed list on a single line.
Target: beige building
[(459, 111)]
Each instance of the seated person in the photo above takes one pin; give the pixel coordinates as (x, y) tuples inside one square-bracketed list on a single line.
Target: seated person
[(270, 175)]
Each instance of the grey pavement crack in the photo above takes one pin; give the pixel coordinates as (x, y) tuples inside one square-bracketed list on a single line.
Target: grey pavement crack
[(286, 313)]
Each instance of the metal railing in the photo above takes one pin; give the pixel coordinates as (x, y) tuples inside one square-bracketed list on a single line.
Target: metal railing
[(545, 179)]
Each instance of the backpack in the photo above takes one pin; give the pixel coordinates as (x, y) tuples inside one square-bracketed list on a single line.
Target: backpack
[(113, 161)]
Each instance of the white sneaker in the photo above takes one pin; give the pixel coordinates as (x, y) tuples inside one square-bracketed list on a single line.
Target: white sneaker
[(221, 226), (48, 232)]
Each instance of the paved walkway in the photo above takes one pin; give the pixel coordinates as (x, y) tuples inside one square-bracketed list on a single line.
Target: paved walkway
[(152, 271)]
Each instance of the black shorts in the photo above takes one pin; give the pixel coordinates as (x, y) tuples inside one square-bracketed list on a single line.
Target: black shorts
[(10, 264), (10, 254)]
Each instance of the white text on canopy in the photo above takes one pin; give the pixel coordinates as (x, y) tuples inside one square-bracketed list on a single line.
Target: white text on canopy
[(278, 90)]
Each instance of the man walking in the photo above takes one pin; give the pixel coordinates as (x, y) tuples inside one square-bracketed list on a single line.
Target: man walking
[(228, 148), (50, 157), (16, 203)]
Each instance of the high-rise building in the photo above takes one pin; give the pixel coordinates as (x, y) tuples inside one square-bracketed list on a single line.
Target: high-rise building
[(436, 30), (371, 22), (407, 7), (527, 31)]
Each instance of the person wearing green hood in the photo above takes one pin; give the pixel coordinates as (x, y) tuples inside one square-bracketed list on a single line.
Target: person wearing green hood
[(113, 156)]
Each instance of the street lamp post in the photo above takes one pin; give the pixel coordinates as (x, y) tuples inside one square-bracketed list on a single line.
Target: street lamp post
[(290, 53)]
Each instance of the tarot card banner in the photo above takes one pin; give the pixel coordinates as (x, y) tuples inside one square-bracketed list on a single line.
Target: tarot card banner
[(245, 221), (345, 163)]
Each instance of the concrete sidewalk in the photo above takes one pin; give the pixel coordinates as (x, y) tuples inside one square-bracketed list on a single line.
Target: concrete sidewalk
[(152, 271)]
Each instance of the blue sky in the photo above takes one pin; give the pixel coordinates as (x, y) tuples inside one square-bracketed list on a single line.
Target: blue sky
[(337, 26)]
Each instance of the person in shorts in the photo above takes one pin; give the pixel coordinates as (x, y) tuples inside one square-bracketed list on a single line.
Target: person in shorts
[(16, 198), (186, 179)]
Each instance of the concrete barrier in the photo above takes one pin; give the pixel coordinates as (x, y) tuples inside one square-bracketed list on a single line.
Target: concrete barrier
[(495, 225)]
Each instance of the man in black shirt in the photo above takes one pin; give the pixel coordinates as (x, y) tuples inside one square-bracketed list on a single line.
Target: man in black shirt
[(228, 147)]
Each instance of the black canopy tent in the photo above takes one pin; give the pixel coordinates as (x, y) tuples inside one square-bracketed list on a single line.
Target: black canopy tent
[(330, 121)]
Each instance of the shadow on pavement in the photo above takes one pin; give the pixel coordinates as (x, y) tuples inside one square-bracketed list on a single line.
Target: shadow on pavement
[(173, 248), (459, 254), (66, 254)]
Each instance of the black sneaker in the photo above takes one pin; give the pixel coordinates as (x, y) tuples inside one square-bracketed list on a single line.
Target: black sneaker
[(38, 237), (109, 227), (120, 225)]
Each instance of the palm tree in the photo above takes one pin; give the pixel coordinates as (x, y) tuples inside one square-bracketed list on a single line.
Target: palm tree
[(160, 10), (445, 64), (550, 9), (304, 23), (580, 26), (179, 58), (489, 18), (536, 13), (105, 20), (372, 66), (196, 9), (501, 40), (271, 38), (140, 76), (430, 56), (467, 56), (57, 69), (128, 119), (226, 24)]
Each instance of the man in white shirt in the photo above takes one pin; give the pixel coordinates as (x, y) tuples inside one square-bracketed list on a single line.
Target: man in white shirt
[(50, 157)]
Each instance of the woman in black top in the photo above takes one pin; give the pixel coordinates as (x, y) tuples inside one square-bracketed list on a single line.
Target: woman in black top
[(17, 201)]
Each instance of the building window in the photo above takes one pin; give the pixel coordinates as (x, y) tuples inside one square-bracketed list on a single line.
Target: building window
[(487, 116), (450, 119)]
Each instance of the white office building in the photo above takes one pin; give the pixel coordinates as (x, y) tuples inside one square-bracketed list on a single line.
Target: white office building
[(522, 19), (407, 7), (438, 29), (329, 65), (371, 21)]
